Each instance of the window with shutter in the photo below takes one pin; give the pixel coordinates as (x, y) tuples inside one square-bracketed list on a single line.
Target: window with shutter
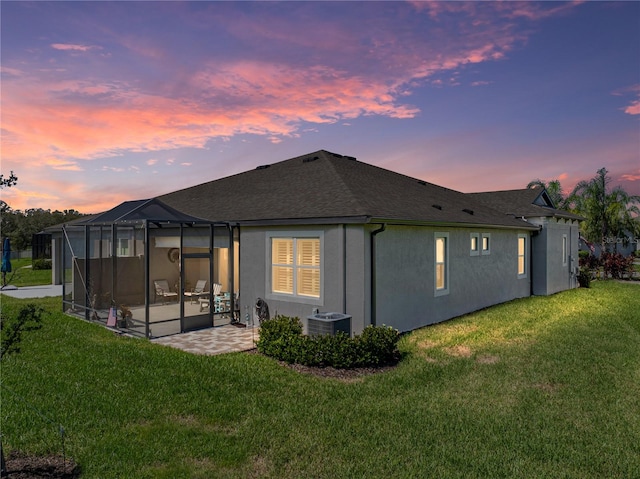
[(308, 266), (282, 265), (296, 266)]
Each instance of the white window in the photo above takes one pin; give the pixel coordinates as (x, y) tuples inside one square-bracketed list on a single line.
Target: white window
[(522, 256), (441, 263), (564, 250), (486, 243), (296, 266), (475, 244)]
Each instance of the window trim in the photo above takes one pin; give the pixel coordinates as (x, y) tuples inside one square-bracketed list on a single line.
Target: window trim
[(295, 297), (565, 248), (474, 252), (486, 236), (441, 291), (524, 256)]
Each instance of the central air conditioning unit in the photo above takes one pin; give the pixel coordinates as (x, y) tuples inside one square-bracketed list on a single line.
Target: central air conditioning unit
[(328, 323)]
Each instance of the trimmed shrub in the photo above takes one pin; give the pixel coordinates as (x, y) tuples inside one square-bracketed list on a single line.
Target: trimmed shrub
[(281, 338), (40, 264), (378, 345)]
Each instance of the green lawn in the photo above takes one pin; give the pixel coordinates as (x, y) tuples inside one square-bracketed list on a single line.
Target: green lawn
[(22, 274), (536, 388)]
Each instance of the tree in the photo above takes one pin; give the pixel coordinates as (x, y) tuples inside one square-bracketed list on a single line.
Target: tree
[(8, 182), (611, 214), (20, 226), (554, 189)]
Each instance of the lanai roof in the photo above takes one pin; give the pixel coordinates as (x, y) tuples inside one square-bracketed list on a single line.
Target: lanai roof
[(325, 187), (136, 211)]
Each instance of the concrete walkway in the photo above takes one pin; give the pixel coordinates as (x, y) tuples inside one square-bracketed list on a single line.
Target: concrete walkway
[(32, 291)]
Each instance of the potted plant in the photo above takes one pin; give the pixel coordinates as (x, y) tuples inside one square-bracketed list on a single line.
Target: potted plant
[(125, 316)]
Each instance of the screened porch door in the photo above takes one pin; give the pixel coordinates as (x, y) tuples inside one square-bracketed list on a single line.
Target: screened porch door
[(195, 284)]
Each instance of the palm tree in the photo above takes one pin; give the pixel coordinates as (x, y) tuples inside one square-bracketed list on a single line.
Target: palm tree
[(610, 215), (554, 190)]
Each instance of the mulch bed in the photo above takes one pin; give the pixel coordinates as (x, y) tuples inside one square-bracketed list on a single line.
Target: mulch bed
[(346, 375), (23, 466)]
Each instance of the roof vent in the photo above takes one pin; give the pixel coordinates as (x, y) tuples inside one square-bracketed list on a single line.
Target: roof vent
[(309, 159), (468, 211), (352, 158), (422, 182), (438, 207), (262, 167)]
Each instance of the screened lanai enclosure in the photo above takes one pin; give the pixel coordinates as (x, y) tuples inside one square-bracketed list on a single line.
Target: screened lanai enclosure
[(149, 270)]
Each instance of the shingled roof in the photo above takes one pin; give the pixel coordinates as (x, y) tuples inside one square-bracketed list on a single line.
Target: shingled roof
[(325, 187), (526, 202)]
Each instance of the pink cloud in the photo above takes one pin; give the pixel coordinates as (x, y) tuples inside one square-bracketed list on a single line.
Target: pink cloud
[(633, 108), (72, 47), (87, 119), (631, 176), (57, 124), (512, 10)]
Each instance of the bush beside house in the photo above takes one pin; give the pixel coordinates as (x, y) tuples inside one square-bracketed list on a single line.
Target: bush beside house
[(282, 339), (613, 265)]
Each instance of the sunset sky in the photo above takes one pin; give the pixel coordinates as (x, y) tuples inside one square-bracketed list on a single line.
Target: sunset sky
[(104, 102)]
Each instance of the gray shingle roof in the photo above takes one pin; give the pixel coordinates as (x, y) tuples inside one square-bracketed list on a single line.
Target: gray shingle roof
[(526, 202), (328, 187)]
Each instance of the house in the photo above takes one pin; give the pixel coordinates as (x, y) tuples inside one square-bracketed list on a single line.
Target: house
[(319, 232), (554, 248)]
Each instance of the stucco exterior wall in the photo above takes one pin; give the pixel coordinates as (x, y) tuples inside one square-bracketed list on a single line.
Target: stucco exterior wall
[(344, 283), (405, 275), (551, 273)]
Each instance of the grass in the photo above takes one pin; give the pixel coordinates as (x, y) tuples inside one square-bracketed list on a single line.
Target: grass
[(543, 387), (23, 274)]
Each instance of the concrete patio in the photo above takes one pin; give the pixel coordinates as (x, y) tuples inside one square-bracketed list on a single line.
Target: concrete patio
[(211, 341)]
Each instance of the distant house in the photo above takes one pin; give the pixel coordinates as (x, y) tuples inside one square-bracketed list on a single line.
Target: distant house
[(327, 232), (554, 248)]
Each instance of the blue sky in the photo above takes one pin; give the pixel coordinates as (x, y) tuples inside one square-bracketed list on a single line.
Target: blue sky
[(104, 102)]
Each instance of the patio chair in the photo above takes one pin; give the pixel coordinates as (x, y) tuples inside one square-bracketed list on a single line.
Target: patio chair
[(162, 290), (198, 291), (204, 302)]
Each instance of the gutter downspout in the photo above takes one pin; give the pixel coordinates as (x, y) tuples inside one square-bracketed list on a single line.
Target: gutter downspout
[(531, 261), (344, 268), (373, 271)]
